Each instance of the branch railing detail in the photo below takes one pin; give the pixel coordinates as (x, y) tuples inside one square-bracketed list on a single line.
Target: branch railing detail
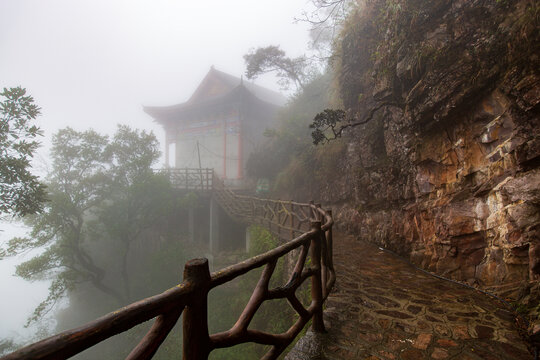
[(284, 218)]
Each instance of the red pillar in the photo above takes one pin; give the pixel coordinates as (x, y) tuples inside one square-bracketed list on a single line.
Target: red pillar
[(240, 148), (225, 148)]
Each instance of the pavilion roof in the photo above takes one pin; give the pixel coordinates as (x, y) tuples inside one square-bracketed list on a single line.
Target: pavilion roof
[(217, 88)]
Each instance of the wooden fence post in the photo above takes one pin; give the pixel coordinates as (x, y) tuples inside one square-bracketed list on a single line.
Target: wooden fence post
[(328, 273), (196, 345), (318, 213), (316, 284), (324, 265), (330, 244)]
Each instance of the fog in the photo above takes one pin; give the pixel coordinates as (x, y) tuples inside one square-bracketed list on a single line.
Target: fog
[(96, 63)]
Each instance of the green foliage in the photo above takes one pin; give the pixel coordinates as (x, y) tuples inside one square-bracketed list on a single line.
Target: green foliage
[(132, 155), (103, 197), (526, 38), (326, 121), (162, 268), (273, 59), (21, 193), (272, 316), (520, 308), (6, 346), (289, 158), (312, 168), (290, 139), (154, 273), (262, 240)]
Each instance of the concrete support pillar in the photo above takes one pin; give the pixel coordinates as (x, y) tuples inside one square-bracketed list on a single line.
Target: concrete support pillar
[(166, 153), (214, 226), (191, 224), (248, 239)]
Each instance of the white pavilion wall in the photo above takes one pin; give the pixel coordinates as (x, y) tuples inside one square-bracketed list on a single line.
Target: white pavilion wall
[(212, 137)]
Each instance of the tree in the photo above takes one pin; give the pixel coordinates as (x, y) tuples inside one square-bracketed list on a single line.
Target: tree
[(21, 193), (102, 194), (6, 346), (76, 187), (138, 197), (324, 122), (273, 59), (330, 124), (289, 139), (326, 22)]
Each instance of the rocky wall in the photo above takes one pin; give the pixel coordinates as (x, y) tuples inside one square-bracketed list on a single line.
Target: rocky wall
[(447, 172)]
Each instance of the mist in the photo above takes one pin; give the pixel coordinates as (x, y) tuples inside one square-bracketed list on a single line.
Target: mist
[(94, 64), (196, 156)]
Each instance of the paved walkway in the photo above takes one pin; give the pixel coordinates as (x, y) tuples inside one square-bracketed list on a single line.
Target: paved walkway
[(383, 308)]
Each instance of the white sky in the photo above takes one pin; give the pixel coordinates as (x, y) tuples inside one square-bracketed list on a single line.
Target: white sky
[(95, 63)]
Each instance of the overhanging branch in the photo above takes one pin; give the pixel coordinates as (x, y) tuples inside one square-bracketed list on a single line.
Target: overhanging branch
[(328, 125)]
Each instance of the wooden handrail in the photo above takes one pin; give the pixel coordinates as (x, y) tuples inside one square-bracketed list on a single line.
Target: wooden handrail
[(283, 218), (71, 342), (190, 179)]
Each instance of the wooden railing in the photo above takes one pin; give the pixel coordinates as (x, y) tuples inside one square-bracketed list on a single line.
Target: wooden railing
[(190, 179), (286, 219), (190, 297)]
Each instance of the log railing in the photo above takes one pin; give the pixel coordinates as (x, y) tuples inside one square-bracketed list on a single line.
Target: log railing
[(284, 218)]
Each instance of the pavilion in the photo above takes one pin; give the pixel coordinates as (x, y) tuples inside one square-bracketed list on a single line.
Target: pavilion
[(221, 123)]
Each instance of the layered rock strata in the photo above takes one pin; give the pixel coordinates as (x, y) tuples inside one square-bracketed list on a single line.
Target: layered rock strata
[(447, 173)]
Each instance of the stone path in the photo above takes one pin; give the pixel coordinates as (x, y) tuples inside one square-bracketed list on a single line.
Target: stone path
[(383, 308)]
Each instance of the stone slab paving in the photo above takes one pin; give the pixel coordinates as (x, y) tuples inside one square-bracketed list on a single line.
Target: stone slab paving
[(384, 308)]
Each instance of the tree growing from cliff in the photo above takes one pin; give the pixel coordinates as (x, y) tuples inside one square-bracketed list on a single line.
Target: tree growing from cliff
[(330, 124), (102, 194), (272, 59), (21, 193)]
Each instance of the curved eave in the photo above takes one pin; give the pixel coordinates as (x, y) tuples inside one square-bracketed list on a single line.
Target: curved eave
[(167, 114)]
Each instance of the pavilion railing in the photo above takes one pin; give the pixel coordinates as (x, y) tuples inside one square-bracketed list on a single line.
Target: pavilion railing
[(284, 218), (190, 178)]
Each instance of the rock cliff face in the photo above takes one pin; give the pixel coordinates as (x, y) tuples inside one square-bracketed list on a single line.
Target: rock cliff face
[(447, 172)]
